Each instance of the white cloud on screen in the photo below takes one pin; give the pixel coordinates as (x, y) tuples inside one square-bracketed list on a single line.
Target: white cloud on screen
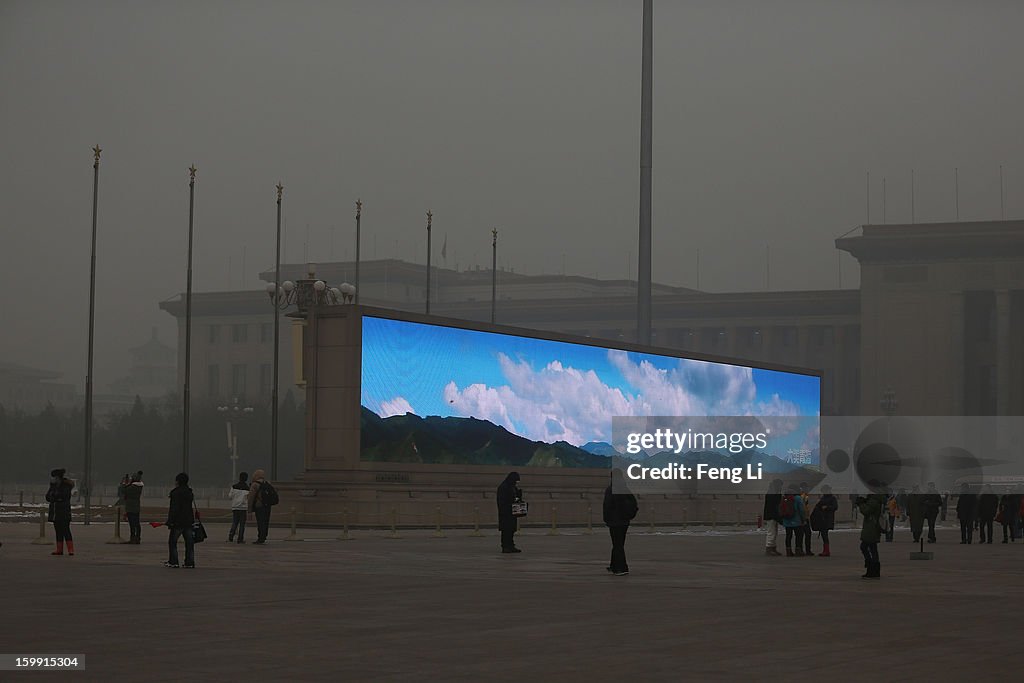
[(396, 406)]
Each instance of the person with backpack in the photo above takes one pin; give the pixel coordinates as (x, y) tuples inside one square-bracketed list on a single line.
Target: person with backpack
[(988, 505), (871, 509), (931, 504), (180, 518), (771, 518), (792, 512), (620, 508), (823, 518), (262, 497), (508, 493), (59, 498), (133, 506), (966, 511), (239, 507)]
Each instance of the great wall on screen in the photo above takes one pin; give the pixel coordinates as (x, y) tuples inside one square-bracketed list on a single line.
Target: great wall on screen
[(432, 394)]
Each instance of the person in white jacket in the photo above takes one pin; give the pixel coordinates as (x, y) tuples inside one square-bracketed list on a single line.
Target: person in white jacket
[(239, 507)]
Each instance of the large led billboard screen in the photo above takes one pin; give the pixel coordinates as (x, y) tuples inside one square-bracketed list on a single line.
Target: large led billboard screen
[(435, 394)]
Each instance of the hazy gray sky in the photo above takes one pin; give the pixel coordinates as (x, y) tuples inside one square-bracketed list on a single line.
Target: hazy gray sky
[(521, 115)]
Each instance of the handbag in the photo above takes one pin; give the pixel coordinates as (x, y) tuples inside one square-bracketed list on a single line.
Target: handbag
[(198, 530), (520, 508)]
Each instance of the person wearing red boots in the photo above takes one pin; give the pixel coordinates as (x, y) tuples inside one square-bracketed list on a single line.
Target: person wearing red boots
[(59, 498), (823, 518)]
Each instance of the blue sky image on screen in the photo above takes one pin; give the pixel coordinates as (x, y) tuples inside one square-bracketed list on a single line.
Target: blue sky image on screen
[(554, 391)]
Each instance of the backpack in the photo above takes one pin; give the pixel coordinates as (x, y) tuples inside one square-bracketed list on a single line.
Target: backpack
[(629, 508), (817, 518), (883, 520), (787, 508), (268, 494)]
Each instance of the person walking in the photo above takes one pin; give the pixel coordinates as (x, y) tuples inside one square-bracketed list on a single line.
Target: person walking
[(792, 512), (508, 492), (239, 507), (133, 506), (1009, 509), (823, 518), (806, 496), (871, 509), (620, 508), (262, 497), (771, 518), (59, 498), (966, 512), (892, 507), (180, 518), (915, 511), (931, 504), (988, 506)]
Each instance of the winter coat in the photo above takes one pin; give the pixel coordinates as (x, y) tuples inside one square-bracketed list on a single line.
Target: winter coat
[(508, 492), (771, 506), (799, 512), (967, 507), (1009, 505), (180, 514), (915, 506), (59, 498), (133, 498), (988, 505), (824, 514), (239, 496), (871, 509), (931, 503), (255, 500), (619, 508)]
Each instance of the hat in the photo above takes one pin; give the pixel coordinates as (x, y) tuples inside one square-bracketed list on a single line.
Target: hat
[(59, 472)]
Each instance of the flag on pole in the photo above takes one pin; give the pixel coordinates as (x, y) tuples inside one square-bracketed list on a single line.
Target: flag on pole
[(444, 249)]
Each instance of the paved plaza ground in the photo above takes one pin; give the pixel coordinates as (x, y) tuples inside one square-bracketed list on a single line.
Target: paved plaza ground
[(697, 606)]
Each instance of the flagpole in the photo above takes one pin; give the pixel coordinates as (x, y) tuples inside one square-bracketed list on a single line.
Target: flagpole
[(277, 342), (87, 483), (643, 317), (186, 393), (430, 216), (494, 271), (359, 215), (1002, 211)]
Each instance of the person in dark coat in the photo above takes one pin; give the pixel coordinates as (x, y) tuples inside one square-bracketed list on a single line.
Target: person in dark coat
[(931, 503), (772, 500), (133, 506), (988, 506), (180, 517), (508, 493), (966, 511), (59, 498), (871, 508), (915, 511), (823, 518), (1009, 511), (620, 508)]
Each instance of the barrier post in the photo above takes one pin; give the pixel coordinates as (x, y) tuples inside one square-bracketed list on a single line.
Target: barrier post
[(293, 536), (41, 540), (117, 527), (714, 517), (21, 499), (554, 521), (652, 518), (476, 521), (394, 523), (686, 516), (590, 519), (437, 530), (739, 518), (33, 497), (344, 525)]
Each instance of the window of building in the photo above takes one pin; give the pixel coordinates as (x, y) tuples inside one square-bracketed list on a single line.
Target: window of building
[(214, 333), (213, 381), (265, 379), (239, 333), (238, 380), (266, 333), (789, 337)]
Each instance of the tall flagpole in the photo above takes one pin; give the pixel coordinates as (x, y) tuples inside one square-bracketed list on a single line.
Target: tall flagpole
[(956, 190), (359, 215), (643, 289), (186, 401), (1002, 211), (277, 343), (87, 483), (430, 216), (494, 271)]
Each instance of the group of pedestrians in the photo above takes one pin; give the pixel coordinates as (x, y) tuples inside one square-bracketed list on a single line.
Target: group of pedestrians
[(257, 497), (619, 508), (982, 511), (791, 509)]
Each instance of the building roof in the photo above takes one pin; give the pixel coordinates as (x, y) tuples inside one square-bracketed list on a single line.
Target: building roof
[(936, 241), (22, 372)]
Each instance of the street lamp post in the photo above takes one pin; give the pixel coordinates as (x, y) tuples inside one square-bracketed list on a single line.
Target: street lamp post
[(277, 341), (87, 483), (233, 413), (186, 401), (430, 216)]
